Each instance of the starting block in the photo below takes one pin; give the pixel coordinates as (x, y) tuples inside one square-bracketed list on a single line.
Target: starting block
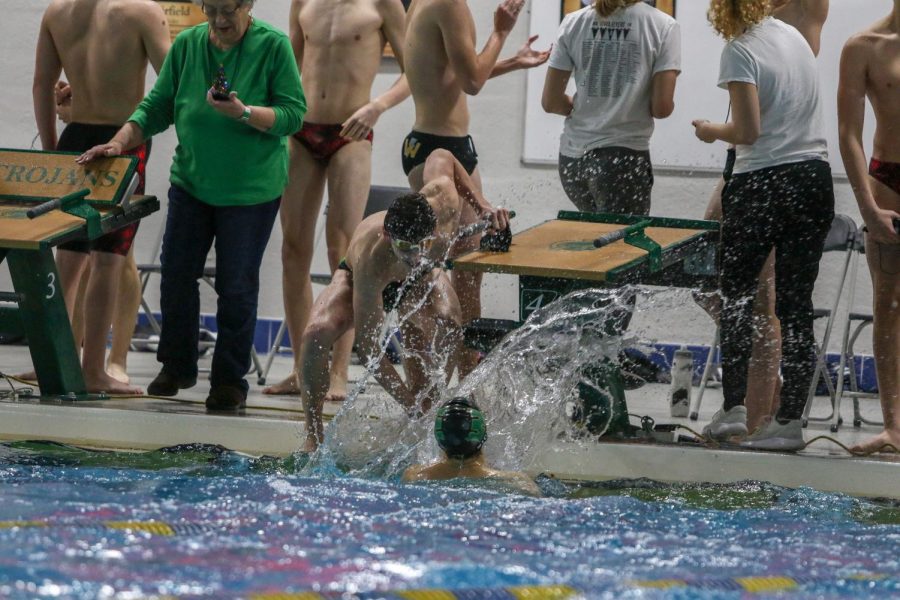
[(47, 199), (579, 251)]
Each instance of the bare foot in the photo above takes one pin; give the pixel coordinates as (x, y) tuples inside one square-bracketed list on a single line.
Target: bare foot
[(311, 444), (289, 386), (337, 392), (879, 443), (27, 376), (117, 372), (114, 387)]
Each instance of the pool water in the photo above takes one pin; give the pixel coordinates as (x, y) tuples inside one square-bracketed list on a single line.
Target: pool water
[(205, 522)]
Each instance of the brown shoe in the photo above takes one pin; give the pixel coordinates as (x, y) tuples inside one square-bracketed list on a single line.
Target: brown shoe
[(228, 398)]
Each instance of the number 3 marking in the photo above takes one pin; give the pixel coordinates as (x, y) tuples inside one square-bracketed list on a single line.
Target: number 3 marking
[(51, 285)]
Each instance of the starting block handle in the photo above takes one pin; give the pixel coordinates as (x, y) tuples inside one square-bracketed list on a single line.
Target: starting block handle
[(614, 236), (44, 208)]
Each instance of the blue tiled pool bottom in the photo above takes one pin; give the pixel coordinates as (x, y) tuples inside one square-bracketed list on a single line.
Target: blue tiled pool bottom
[(201, 522)]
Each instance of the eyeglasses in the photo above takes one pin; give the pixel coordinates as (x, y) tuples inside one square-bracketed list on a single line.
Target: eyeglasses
[(212, 12), (409, 247)]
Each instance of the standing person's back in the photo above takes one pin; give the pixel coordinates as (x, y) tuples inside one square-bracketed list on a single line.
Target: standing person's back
[(614, 66), (101, 45), (625, 57), (791, 125)]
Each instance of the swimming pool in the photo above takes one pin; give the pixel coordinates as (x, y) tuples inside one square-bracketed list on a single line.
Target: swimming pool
[(204, 522)]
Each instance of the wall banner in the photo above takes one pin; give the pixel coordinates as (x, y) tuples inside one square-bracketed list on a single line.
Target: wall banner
[(181, 15)]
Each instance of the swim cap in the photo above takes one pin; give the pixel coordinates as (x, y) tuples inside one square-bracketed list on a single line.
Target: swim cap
[(459, 428)]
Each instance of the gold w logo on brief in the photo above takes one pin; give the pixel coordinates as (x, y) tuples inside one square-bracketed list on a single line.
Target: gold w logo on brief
[(411, 147)]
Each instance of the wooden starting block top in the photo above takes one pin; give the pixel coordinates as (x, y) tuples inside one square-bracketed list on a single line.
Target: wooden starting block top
[(56, 227), (35, 176), (564, 248), (28, 177)]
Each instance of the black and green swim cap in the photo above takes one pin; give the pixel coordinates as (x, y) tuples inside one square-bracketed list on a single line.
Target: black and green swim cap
[(459, 427)]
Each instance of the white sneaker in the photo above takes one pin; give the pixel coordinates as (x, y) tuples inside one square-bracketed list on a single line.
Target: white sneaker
[(726, 424), (775, 436)]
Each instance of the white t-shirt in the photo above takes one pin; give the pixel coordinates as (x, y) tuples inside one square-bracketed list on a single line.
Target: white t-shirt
[(613, 61), (777, 59)]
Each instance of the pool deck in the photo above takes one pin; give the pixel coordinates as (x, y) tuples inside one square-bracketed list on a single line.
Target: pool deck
[(274, 426)]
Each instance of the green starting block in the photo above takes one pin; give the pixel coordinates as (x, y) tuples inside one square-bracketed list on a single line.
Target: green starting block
[(47, 199), (579, 251)]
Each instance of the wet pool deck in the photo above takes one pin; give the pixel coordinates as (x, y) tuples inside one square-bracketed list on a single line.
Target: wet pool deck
[(273, 425)]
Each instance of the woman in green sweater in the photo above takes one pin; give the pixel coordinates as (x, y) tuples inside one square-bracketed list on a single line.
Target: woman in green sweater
[(232, 89)]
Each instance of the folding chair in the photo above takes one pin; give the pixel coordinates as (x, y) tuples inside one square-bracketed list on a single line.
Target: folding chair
[(380, 198), (847, 360), (708, 378), (842, 237)]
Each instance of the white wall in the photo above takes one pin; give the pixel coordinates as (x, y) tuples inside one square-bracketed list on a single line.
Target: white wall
[(498, 117)]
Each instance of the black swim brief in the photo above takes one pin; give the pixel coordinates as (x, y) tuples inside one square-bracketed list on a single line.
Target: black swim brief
[(78, 137), (417, 146)]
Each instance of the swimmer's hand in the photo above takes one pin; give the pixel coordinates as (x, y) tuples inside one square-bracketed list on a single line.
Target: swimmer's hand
[(880, 225), (498, 216), (361, 123), (232, 108), (703, 130), (527, 57), (505, 16), (111, 148), (63, 94)]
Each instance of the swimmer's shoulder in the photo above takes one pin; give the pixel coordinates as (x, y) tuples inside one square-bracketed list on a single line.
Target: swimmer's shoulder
[(518, 480)]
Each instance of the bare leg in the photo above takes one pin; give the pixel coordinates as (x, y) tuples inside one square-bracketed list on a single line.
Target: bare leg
[(100, 303), (763, 386), (349, 179), (128, 302), (884, 262), (299, 211), (331, 317), (76, 310)]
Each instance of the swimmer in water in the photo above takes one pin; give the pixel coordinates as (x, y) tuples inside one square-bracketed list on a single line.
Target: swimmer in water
[(461, 431)]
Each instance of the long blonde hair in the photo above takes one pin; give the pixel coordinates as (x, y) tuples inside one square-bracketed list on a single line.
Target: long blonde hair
[(605, 8), (731, 18)]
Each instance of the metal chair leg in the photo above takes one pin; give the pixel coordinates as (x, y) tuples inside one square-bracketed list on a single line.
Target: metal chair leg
[(706, 376), (276, 347)]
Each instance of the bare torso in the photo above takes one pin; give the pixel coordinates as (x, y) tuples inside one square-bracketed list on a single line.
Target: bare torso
[(441, 105), (883, 88), (103, 56), (342, 45)]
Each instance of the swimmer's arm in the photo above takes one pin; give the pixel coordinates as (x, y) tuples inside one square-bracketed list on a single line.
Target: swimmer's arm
[(442, 163), (154, 27), (457, 29), (361, 122), (554, 98), (295, 32), (47, 69), (851, 117), (744, 127), (413, 473), (525, 58), (368, 317)]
